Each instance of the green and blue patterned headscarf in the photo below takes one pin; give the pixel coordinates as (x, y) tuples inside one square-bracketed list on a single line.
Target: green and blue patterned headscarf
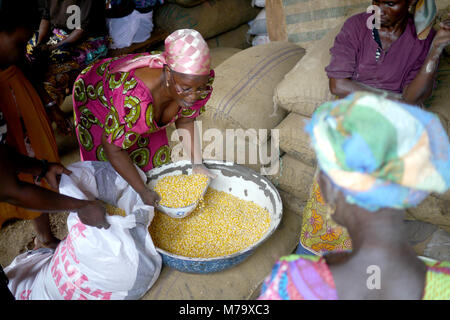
[(380, 153)]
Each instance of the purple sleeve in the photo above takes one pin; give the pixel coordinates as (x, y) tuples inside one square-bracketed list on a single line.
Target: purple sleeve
[(344, 51), (412, 73)]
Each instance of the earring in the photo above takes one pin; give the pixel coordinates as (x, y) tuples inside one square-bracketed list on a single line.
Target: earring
[(167, 84)]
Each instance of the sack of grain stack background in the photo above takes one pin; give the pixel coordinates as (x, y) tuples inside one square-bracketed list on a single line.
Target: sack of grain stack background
[(235, 38), (210, 18), (306, 86), (244, 84), (306, 21), (187, 3), (243, 91), (258, 29)]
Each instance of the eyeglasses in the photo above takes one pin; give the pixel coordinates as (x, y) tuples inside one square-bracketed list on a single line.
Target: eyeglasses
[(203, 93)]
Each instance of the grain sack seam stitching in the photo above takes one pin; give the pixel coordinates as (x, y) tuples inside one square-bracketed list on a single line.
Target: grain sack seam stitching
[(256, 80), (243, 79)]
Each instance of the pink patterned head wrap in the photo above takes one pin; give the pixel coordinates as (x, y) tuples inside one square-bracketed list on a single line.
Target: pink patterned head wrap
[(185, 51)]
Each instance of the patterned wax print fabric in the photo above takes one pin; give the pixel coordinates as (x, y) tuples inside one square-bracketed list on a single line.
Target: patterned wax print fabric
[(63, 65), (299, 277), (437, 283), (320, 234), (121, 105), (380, 153)]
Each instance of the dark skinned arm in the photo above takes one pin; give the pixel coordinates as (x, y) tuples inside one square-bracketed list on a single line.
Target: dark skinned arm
[(75, 36), (32, 197), (421, 87), (343, 87), (121, 162), (44, 31), (188, 124)]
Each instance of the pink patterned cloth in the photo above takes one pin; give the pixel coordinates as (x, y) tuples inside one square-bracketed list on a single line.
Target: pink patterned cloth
[(185, 51), (120, 104), (299, 277)]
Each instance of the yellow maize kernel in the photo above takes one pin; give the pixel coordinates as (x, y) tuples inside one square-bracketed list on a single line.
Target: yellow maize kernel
[(222, 225), (181, 190), (114, 211)]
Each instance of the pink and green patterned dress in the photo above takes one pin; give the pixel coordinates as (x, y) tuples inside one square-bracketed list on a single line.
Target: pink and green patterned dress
[(122, 105)]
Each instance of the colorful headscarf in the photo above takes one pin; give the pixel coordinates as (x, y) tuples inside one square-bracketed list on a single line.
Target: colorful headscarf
[(185, 51), (381, 153), (425, 12)]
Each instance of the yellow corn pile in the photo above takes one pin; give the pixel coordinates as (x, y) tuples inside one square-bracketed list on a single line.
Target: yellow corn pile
[(222, 225), (181, 190), (114, 211)]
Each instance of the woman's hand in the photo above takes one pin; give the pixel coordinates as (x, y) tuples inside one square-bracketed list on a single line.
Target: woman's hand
[(442, 38), (202, 169), (93, 214), (149, 197), (54, 172)]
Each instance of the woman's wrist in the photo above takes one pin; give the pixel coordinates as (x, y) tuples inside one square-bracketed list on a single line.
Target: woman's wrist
[(141, 189), (435, 50), (44, 169)]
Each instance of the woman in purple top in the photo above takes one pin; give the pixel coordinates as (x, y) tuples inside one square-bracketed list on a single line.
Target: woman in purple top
[(390, 59)]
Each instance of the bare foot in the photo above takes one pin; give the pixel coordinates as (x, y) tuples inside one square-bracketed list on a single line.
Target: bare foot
[(52, 243)]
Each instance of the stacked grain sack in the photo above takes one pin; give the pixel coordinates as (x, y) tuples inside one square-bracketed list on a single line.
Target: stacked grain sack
[(258, 28), (223, 23), (240, 115), (313, 25)]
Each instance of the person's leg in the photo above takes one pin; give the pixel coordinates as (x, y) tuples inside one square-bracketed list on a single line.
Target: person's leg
[(44, 237)]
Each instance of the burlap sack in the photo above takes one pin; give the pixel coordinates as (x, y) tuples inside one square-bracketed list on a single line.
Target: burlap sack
[(442, 15), (442, 4), (294, 140), (232, 146), (244, 84), (304, 22), (306, 86), (439, 102), (432, 210), (294, 177), (210, 18), (220, 54), (236, 38), (187, 3)]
